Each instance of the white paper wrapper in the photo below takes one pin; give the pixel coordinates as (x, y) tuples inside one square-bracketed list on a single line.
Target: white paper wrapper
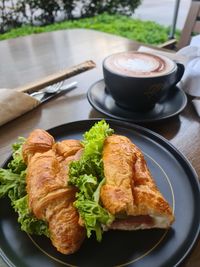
[(196, 104), (13, 104), (195, 41), (190, 81)]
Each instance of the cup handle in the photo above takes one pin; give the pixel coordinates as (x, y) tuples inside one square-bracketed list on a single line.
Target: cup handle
[(179, 75), (180, 72)]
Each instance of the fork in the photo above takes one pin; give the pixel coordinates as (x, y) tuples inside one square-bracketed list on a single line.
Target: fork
[(54, 89), (50, 89)]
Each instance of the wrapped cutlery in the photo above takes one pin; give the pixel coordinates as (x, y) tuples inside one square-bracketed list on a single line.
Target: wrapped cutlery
[(17, 101)]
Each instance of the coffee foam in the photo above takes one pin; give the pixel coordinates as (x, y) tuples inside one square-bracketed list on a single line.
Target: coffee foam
[(139, 64)]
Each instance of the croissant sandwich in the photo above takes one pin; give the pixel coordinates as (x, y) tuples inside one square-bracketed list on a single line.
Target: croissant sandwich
[(67, 190)]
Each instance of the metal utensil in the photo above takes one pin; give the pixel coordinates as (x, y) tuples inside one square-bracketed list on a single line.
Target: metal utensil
[(47, 94), (56, 77), (51, 89)]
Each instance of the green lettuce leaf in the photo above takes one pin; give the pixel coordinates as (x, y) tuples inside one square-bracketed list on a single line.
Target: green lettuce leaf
[(12, 180), (13, 185), (17, 165), (87, 174), (28, 222)]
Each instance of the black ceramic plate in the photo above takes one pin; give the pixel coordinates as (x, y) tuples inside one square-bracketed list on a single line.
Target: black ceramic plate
[(175, 178), (102, 101)]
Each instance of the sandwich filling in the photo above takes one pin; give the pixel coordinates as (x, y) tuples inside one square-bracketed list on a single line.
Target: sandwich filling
[(87, 174), (116, 189)]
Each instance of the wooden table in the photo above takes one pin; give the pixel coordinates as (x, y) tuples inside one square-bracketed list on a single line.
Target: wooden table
[(29, 58)]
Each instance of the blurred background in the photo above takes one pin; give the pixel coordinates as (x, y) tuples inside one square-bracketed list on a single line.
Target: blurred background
[(147, 21), (162, 11)]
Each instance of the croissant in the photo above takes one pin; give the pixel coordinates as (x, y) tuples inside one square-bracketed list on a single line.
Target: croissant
[(39, 141), (50, 198), (130, 192)]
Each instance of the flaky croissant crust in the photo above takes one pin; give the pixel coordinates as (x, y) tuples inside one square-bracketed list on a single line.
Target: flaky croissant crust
[(129, 192), (129, 189), (50, 197)]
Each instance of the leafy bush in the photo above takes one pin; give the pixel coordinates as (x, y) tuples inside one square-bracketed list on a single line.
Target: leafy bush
[(44, 10), (123, 7), (143, 31), (14, 13)]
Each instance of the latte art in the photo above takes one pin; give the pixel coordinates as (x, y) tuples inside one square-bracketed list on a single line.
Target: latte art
[(137, 64)]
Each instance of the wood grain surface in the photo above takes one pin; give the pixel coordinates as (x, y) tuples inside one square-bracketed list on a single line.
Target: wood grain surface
[(26, 59), (56, 77)]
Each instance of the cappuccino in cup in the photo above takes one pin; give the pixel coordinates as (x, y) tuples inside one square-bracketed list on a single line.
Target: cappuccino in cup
[(137, 64), (138, 80)]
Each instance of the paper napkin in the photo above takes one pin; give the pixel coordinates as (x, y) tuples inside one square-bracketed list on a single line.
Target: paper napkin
[(14, 103), (190, 81)]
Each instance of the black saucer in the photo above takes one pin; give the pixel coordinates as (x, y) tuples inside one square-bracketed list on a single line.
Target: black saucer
[(102, 101)]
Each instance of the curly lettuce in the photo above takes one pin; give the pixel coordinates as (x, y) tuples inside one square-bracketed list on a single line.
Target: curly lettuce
[(13, 185), (29, 223), (87, 175)]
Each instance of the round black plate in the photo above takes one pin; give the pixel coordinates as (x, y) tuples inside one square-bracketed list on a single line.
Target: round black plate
[(102, 101), (175, 178)]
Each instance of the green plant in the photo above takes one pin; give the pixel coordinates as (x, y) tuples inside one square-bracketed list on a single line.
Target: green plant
[(143, 31), (11, 14), (95, 7), (14, 13), (67, 7)]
